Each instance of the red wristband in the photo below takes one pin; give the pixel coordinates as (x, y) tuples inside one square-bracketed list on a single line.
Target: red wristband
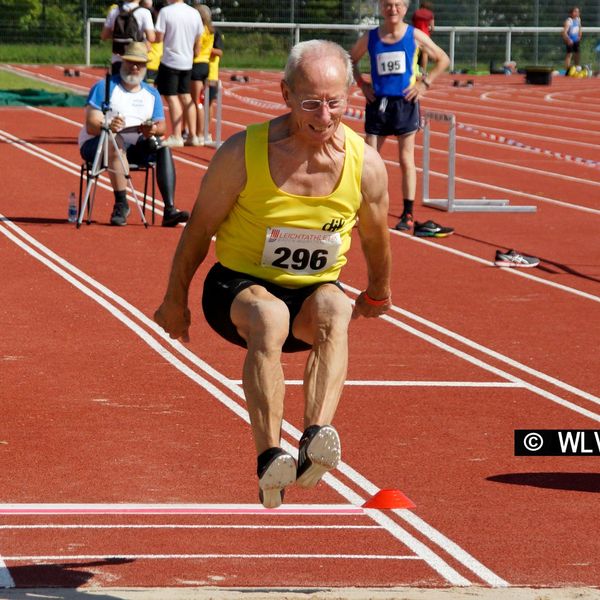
[(374, 302)]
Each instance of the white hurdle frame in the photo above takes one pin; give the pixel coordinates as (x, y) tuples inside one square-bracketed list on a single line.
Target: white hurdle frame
[(451, 204), (218, 140)]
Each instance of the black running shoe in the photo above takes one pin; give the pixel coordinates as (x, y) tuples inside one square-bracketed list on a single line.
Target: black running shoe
[(406, 223), (276, 469), (513, 259), (431, 229), (320, 451), (172, 217), (119, 214)]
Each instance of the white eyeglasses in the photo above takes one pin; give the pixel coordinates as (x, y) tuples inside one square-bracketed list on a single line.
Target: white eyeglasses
[(313, 104)]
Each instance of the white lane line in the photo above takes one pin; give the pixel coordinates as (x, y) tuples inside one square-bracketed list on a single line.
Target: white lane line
[(66, 165), (78, 557), (535, 110), (509, 133), (449, 546), (386, 383), (192, 527), (460, 111), (432, 559), (499, 372), (176, 509)]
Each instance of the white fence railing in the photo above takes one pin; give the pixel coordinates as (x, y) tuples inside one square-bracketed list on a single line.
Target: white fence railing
[(296, 28)]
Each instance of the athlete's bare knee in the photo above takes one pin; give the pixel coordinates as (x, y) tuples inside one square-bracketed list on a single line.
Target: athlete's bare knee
[(267, 325), (331, 313)]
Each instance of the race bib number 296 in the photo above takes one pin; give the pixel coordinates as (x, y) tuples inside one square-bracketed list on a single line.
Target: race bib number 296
[(300, 251)]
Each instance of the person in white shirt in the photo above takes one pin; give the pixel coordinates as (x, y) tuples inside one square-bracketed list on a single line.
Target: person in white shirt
[(137, 118), (179, 27), (145, 24)]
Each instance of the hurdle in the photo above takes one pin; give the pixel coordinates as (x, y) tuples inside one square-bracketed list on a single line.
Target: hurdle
[(218, 140), (451, 204)]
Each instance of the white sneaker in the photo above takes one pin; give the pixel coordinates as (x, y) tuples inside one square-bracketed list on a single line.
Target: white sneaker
[(173, 142), (194, 140), (513, 259), (208, 139)]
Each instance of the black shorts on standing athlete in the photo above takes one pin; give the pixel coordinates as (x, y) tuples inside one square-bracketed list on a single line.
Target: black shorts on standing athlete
[(392, 115), (222, 285), (172, 82)]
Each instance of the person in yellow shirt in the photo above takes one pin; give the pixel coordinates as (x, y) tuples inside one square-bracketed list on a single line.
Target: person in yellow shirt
[(213, 73), (201, 68), (155, 49), (154, 56), (282, 199)]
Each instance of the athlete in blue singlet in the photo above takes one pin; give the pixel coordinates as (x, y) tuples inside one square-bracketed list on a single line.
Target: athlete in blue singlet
[(572, 36), (393, 96)]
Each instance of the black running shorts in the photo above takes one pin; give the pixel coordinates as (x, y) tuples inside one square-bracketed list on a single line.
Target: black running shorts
[(573, 48), (139, 153), (199, 71), (392, 115), (222, 285), (171, 82)]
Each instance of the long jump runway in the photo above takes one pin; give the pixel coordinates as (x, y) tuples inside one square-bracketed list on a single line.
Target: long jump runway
[(127, 459)]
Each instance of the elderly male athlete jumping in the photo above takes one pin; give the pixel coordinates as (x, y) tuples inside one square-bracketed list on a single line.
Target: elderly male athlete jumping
[(282, 199)]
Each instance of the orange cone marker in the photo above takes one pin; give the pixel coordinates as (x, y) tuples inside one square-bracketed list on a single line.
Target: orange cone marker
[(389, 499)]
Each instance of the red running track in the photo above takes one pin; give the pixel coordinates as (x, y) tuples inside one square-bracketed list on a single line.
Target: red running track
[(99, 408)]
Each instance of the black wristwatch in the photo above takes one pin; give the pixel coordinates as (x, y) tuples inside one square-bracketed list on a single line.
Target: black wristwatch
[(427, 84)]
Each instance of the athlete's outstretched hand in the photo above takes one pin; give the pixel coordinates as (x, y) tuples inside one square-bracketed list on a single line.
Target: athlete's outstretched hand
[(175, 319)]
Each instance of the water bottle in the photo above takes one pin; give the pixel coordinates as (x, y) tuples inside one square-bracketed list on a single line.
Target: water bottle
[(72, 208)]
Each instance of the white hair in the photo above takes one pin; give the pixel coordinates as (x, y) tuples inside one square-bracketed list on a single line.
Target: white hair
[(405, 2), (308, 51)]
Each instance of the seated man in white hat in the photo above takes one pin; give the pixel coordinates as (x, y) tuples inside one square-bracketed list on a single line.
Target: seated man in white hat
[(137, 118)]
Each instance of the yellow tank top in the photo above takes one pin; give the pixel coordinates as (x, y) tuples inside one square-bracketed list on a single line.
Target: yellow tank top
[(206, 43), (213, 68), (154, 56), (284, 238)]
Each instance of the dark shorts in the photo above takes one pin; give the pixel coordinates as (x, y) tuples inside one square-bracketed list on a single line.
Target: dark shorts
[(199, 71), (151, 76), (222, 285), (213, 91), (172, 82), (137, 154), (573, 48), (392, 115)]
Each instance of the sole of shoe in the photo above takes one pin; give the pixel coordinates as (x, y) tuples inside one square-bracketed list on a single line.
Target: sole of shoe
[(280, 473), (433, 234), (174, 221), (324, 453), (515, 265)]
